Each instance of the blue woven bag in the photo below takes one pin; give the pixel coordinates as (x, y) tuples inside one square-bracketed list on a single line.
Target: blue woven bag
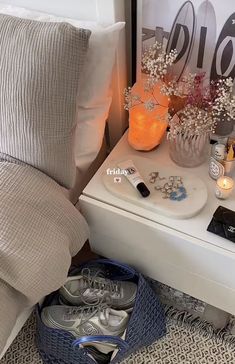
[(146, 324)]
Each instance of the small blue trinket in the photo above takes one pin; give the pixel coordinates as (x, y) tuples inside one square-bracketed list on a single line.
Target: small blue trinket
[(179, 195)]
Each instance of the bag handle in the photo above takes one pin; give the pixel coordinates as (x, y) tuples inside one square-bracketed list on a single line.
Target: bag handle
[(131, 272), (115, 340)]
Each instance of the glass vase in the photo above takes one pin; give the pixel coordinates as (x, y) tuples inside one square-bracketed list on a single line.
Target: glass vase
[(189, 150)]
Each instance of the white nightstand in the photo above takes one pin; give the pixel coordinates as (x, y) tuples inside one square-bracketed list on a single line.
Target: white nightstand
[(179, 253)]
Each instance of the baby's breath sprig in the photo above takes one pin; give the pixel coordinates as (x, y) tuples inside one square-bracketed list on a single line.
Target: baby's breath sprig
[(190, 121), (223, 105), (156, 64)]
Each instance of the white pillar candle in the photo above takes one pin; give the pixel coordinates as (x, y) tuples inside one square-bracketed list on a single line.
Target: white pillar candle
[(224, 187)]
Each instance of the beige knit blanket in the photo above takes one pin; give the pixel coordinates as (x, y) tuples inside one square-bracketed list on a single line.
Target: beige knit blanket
[(40, 230)]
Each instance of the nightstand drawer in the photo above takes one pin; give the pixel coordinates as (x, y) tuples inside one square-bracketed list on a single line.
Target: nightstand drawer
[(183, 262)]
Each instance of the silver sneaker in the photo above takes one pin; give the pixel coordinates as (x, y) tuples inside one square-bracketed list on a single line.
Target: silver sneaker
[(87, 321), (92, 289)]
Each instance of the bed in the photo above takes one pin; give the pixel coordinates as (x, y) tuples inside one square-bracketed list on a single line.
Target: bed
[(105, 12)]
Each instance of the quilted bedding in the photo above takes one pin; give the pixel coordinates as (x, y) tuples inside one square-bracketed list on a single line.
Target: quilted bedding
[(40, 230)]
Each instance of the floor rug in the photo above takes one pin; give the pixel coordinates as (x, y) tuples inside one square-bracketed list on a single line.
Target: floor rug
[(188, 341)]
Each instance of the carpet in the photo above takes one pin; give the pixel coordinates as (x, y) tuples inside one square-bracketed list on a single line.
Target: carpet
[(188, 341)]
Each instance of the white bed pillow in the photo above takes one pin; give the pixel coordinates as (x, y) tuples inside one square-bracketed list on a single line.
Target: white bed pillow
[(40, 67), (94, 91)]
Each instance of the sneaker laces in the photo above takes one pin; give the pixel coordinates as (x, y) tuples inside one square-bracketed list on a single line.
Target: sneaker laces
[(99, 284), (86, 313)]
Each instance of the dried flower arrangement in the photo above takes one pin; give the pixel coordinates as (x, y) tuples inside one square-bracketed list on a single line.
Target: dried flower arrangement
[(203, 106), (198, 107)]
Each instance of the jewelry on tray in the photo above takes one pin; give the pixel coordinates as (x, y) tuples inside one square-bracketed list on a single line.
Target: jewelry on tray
[(153, 177), (172, 188)]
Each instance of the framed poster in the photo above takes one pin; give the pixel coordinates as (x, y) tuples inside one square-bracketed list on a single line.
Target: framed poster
[(202, 32)]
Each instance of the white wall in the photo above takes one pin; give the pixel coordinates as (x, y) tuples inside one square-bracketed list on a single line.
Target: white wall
[(103, 11), (66, 8)]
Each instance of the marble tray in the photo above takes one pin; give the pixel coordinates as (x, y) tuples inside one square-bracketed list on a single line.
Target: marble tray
[(183, 203)]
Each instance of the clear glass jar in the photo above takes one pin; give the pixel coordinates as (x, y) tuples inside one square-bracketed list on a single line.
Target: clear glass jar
[(189, 151)]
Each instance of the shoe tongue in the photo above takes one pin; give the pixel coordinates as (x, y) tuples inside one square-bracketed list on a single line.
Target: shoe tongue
[(104, 316), (77, 285)]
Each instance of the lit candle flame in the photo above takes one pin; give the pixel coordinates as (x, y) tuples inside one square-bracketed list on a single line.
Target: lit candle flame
[(226, 183)]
